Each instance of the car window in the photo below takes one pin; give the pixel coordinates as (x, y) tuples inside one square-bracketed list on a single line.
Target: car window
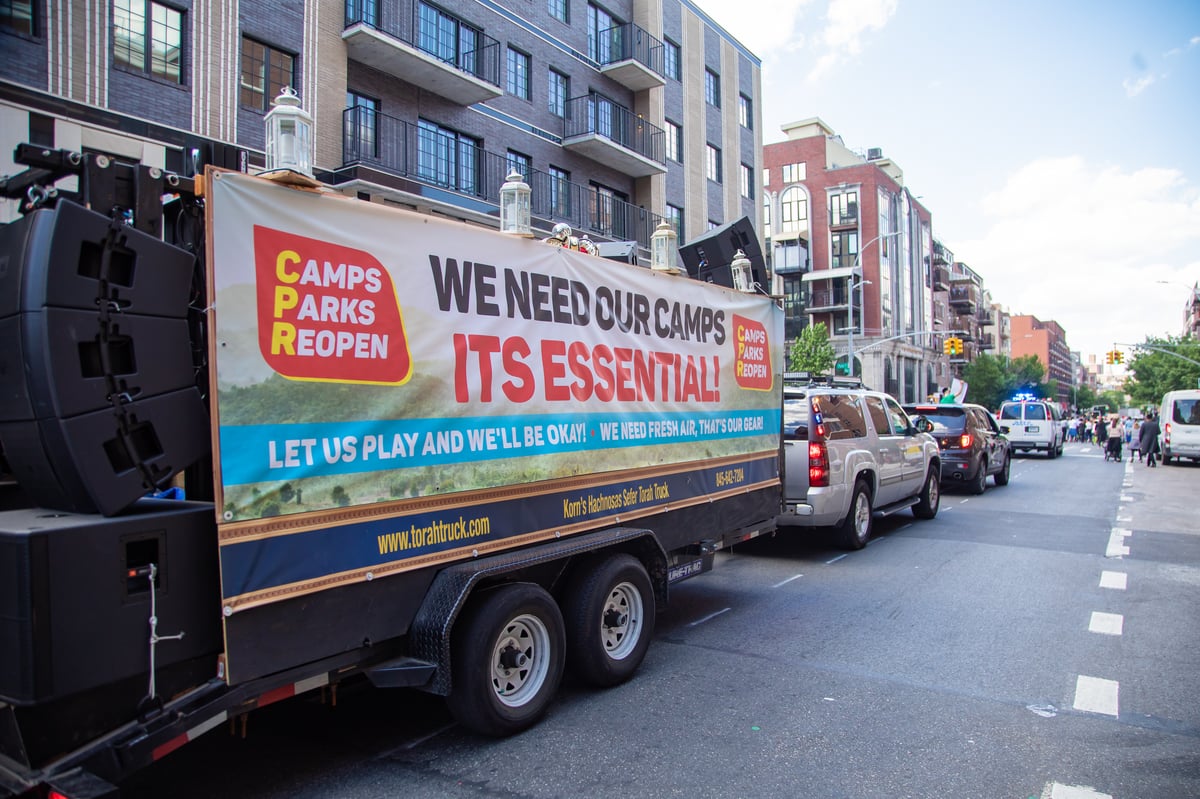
[(899, 418), (879, 417), (841, 415), (795, 418), (946, 420), (1010, 411), (1187, 411), (992, 424), (1035, 411)]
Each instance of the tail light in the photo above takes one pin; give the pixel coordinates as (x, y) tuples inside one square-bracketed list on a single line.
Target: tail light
[(818, 464), (964, 441), (1167, 432)]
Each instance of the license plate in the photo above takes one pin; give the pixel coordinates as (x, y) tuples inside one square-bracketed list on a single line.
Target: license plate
[(1031, 428)]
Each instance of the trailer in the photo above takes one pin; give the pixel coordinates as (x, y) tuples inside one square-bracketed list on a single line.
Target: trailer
[(411, 450)]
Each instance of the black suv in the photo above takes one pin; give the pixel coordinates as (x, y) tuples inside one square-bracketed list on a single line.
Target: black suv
[(971, 443)]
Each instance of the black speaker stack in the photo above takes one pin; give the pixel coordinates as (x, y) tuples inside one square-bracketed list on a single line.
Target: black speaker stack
[(99, 402), (707, 258)]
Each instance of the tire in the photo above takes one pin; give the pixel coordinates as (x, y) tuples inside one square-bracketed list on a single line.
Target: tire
[(1051, 454), (609, 615), (855, 530), (508, 650), (1001, 477), (979, 484), (931, 496)]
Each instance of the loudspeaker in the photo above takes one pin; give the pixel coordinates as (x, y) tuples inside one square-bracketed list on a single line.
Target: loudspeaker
[(98, 396), (707, 258)]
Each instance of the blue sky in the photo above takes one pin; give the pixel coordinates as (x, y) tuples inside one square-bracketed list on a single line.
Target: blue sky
[(1057, 144)]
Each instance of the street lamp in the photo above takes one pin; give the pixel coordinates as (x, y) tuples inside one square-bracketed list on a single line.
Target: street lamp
[(857, 268)]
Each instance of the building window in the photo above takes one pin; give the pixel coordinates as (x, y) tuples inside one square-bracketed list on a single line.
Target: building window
[(713, 224), (671, 59), (795, 173), (608, 218), (843, 208), (766, 207), (602, 34), (745, 112), (560, 193), (265, 73), (714, 163), (447, 158), (674, 141), (366, 11), (16, 16), (362, 126), (518, 74), (448, 38), (793, 210), (675, 217), (147, 37), (560, 90), (843, 247), (747, 177), (520, 162), (558, 10), (712, 88)]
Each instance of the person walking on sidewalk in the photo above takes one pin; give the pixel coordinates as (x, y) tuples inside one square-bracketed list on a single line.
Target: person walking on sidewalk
[(1148, 438)]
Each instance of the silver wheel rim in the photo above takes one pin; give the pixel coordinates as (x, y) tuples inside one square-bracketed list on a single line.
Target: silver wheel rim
[(934, 491), (862, 516), (520, 660), (621, 620)]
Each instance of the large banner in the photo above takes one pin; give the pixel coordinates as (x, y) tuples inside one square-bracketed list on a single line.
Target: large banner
[(377, 371)]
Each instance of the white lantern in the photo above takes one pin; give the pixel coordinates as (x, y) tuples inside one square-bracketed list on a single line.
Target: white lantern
[(743, 277), (289, 135), (515, 212), (664, 249)]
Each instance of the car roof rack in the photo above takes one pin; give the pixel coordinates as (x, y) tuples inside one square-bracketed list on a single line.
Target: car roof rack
[(810, 379)]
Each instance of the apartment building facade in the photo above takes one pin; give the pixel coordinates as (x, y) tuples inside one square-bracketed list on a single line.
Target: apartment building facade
[(1047, 341), (849, 245), (617, 114)]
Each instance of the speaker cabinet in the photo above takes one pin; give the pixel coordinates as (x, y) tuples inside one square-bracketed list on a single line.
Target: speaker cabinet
[(98, 397), (707, 257)]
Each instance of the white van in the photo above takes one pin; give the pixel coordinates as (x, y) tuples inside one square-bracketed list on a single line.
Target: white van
[(1033, 425), (1179, 425)]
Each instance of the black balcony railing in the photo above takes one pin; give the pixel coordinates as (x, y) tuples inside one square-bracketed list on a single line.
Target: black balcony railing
[(441, 161), (437, 34), (598, 115), (629, 42)]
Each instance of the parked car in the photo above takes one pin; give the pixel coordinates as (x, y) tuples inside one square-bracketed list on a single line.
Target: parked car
[(850, 455), (971, 443), (1179, 425), (1034, 425)]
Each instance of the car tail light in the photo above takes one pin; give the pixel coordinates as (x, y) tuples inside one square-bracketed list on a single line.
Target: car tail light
[(818, 464), (964, 441), (1167, 433)]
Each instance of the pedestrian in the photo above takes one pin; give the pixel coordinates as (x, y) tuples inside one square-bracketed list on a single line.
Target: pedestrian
[(1148, 438), (1073, 429), (1101, 432), (947, 398), (1116, 434), (1134, 452)]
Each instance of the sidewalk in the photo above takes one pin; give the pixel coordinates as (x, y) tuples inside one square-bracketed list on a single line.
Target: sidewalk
[(1165, 498)]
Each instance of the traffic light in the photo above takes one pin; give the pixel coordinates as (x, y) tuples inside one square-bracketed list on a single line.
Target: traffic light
[(1119, 356), (1109, 357), (948, 346)]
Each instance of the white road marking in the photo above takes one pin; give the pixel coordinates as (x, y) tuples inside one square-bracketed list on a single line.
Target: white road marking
[(709, 617), (1056, 790), (1116, 543), (1096, 695), (1106, 623), (1114, 580), (788, 580), (835, 560)]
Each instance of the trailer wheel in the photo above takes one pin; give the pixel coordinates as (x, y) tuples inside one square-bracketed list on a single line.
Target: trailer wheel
[(609, 613), (508, 654)]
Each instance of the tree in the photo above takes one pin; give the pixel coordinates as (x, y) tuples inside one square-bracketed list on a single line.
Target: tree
[(1153, 374), (811, 351), (991, 380)]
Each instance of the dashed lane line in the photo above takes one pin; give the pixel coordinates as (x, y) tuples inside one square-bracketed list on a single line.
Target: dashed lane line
[(1096, 695), (782, 583), (1106, 623), (1114, 580), (709, 617)]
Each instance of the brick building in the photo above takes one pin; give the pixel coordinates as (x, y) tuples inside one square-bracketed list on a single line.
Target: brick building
[(617, 114), (1048, 342)]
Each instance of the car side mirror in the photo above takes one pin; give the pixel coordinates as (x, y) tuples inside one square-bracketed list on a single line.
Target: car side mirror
[(923, 425)]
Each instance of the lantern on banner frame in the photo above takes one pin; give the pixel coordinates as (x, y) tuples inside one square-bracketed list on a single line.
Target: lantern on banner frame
[(515, 200), (743, 275), (289, 135), (664, 249)]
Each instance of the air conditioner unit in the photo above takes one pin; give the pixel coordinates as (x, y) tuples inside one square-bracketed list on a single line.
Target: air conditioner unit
[(874, 153)]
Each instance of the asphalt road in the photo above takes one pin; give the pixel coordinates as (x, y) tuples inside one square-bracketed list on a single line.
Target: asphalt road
[(1041, 640)]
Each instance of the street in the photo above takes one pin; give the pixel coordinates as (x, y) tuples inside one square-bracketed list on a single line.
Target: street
[(1040, 640)]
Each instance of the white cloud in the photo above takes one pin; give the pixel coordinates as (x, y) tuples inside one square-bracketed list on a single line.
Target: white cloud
[(1135, 87), (1086, 245), (765, 27), (845, 23)]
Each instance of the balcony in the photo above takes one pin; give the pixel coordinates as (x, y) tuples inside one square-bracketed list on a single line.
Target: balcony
[(962, 298), (941, 277), (940, 257), (632, 57), (466, 71), (381, 150), (611, 134), (983, 318), (822, 300), (986, 342)]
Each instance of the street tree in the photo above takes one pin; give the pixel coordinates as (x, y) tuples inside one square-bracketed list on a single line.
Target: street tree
[(1153, 373), (993, 379), (811, 351)]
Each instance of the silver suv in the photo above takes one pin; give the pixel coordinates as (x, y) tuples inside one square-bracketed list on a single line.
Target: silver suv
[(850, 455)]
